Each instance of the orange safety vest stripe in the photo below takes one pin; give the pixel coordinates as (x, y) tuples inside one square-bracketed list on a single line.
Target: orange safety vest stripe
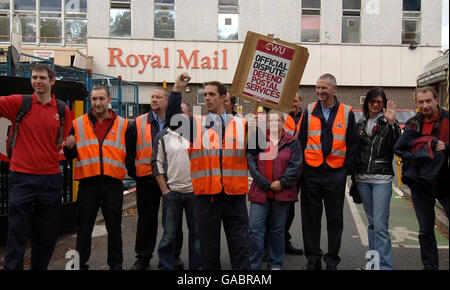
[(290, 127), (144, 147), (112, 159), (313, 151), (204, 153)]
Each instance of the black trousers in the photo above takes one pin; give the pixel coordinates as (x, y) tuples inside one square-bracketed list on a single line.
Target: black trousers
[(232, 211), (106, 193), (148, 197), (34, 204), (289, 220), (322, 189)]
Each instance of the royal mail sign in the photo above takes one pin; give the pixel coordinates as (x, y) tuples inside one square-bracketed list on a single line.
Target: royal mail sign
[(194, 59)]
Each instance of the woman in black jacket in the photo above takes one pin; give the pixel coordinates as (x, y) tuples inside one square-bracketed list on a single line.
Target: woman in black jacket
[(377, 131)]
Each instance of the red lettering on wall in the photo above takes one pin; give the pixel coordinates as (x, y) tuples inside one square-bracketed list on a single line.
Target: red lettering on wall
[(128, 60), (157, 61), (206, 62), (216, 60), (113, 56), (224, 56), (166, 57), (187, 62)]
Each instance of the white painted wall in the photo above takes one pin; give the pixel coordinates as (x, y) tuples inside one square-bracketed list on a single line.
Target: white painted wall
[(197, 20), (353, 65), (380, 59)]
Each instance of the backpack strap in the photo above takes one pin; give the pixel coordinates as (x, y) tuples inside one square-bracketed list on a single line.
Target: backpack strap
[(27, 101)]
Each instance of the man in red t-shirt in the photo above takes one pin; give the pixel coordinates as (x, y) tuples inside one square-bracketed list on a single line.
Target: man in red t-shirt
[(35, 179)]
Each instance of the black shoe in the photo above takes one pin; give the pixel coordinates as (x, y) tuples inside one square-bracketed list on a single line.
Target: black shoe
[(140, 265), (331, 267), (290, 249), (178, 264), (317, 265), (116, 268)]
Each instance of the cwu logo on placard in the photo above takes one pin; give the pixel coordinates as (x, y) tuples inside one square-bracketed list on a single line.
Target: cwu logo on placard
[(275, 48)]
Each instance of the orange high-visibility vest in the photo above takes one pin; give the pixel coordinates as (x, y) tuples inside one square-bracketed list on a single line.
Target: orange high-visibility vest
[(290, 127), (313, 151), (93, 159), (143, 146), (204, 153)]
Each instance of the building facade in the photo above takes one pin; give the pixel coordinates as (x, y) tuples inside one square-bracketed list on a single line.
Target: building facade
[(364, 43)]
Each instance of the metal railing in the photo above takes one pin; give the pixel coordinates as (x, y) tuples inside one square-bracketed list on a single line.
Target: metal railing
[(66, 189)]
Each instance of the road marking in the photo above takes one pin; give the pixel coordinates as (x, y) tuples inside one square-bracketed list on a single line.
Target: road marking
[(397, 191), (358, 221), (397, 234)]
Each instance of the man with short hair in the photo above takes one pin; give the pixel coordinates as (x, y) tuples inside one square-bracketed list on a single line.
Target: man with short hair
[(329, 140), (97, 141), (219, 180), (229, 103), (171, 167), (35, 178), (140, 139), (424, 148), (294, 118)]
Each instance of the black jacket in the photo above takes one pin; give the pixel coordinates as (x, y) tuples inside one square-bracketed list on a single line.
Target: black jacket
[(131, 139), (421, 166), (376, 152), (326, 138)]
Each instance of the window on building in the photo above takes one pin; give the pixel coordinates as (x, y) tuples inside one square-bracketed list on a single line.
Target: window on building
[(4, 21), (25, 4), (200, 96), (120, 19), (61, 22), (165, 19), (76, 22), (310, 21), (50, 21), (411, 21), (27, 13), (228, 20), (351, 21)]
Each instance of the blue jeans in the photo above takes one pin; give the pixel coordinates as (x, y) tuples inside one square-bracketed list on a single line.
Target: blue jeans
[(173, 204), (377, 200), (424, 200), (275, 238)]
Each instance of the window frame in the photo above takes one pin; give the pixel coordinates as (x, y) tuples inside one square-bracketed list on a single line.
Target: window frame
[(347, 15), (35, 17), (5, 13), (222, 11), (124, 5), (171, 7), (200, 94), (311, 12), (409, 15)]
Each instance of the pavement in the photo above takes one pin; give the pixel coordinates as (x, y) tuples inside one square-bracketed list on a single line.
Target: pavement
[(403, 229), (441, 217)]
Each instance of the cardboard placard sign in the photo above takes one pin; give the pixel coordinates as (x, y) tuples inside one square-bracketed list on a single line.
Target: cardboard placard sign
[(269, 71)]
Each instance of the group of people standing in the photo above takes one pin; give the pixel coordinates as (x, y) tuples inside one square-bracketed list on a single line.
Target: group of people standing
[(196, 163)]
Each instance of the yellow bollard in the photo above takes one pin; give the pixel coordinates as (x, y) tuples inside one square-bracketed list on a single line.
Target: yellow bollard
[(399, 170), (78, 109)]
